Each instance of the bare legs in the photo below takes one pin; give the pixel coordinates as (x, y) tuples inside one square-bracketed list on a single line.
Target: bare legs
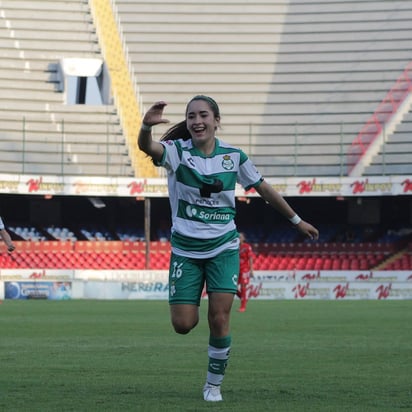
[(185, 317)]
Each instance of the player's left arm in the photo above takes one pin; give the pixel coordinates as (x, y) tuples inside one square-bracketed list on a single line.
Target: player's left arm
[(7, 240), (282, 206)]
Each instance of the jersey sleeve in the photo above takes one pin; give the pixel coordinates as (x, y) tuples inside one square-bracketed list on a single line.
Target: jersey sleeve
[(248, 175), (171, 155)]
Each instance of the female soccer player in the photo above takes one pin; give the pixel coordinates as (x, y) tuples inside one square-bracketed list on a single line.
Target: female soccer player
[(202, 173)]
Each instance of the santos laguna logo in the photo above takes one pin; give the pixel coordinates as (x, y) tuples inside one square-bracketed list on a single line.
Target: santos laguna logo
[(209, 216), (191, 211)]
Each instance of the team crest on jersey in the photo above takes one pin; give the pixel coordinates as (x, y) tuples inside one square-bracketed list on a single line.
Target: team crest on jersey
[(227, 163)]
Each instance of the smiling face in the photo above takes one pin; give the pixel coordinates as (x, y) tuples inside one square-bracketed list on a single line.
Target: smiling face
[(202, 122)]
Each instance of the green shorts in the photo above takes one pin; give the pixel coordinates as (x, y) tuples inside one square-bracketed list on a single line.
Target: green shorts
[(187, 276)]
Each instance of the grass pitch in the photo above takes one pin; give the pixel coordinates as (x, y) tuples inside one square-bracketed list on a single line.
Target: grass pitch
[(286, 356)]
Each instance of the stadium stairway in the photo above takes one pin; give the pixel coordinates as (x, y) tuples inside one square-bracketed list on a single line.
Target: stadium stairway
[(401, 260), (124, 92), (393, 158)]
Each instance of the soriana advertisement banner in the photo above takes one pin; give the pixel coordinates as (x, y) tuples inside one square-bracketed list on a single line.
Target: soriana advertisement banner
[(157, 187)]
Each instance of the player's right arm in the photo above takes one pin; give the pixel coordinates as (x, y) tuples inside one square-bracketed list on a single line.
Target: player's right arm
[(145, 141), (149, 146)]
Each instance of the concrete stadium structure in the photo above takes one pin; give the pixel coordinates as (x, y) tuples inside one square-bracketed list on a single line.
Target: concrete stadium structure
[(296, 81)]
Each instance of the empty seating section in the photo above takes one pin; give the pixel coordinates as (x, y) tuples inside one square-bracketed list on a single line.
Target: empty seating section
[(326, 256), (96, 232), (132, 255), (40, 134), (103, 255), (293, 83), (317, 262), (61, 233), (282, 233), (391, 250), (131, 234), (27, 233)]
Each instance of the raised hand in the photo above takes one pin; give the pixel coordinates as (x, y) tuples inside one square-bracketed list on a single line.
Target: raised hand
[(154, 115)]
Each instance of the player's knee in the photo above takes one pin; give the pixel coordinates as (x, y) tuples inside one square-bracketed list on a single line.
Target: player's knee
[(184, 318), (183, 327), (180, 330)]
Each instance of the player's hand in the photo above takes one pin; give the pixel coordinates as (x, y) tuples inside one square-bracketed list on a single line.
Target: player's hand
[(11, 248), (308, 230), (154, 115)]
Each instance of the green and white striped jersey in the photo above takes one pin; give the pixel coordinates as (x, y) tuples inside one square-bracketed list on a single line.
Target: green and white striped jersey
[(202, 195)]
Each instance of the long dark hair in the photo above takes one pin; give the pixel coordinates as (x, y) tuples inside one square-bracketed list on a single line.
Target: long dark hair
[(179, 130)]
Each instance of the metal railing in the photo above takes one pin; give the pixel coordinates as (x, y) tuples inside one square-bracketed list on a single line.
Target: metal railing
[(62, 160), (64, 156)]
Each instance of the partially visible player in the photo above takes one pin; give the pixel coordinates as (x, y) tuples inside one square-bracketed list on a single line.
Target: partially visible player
[(246, 256), (6, 237)]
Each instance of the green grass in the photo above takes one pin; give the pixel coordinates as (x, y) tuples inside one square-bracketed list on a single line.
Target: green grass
[(286, 356)]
